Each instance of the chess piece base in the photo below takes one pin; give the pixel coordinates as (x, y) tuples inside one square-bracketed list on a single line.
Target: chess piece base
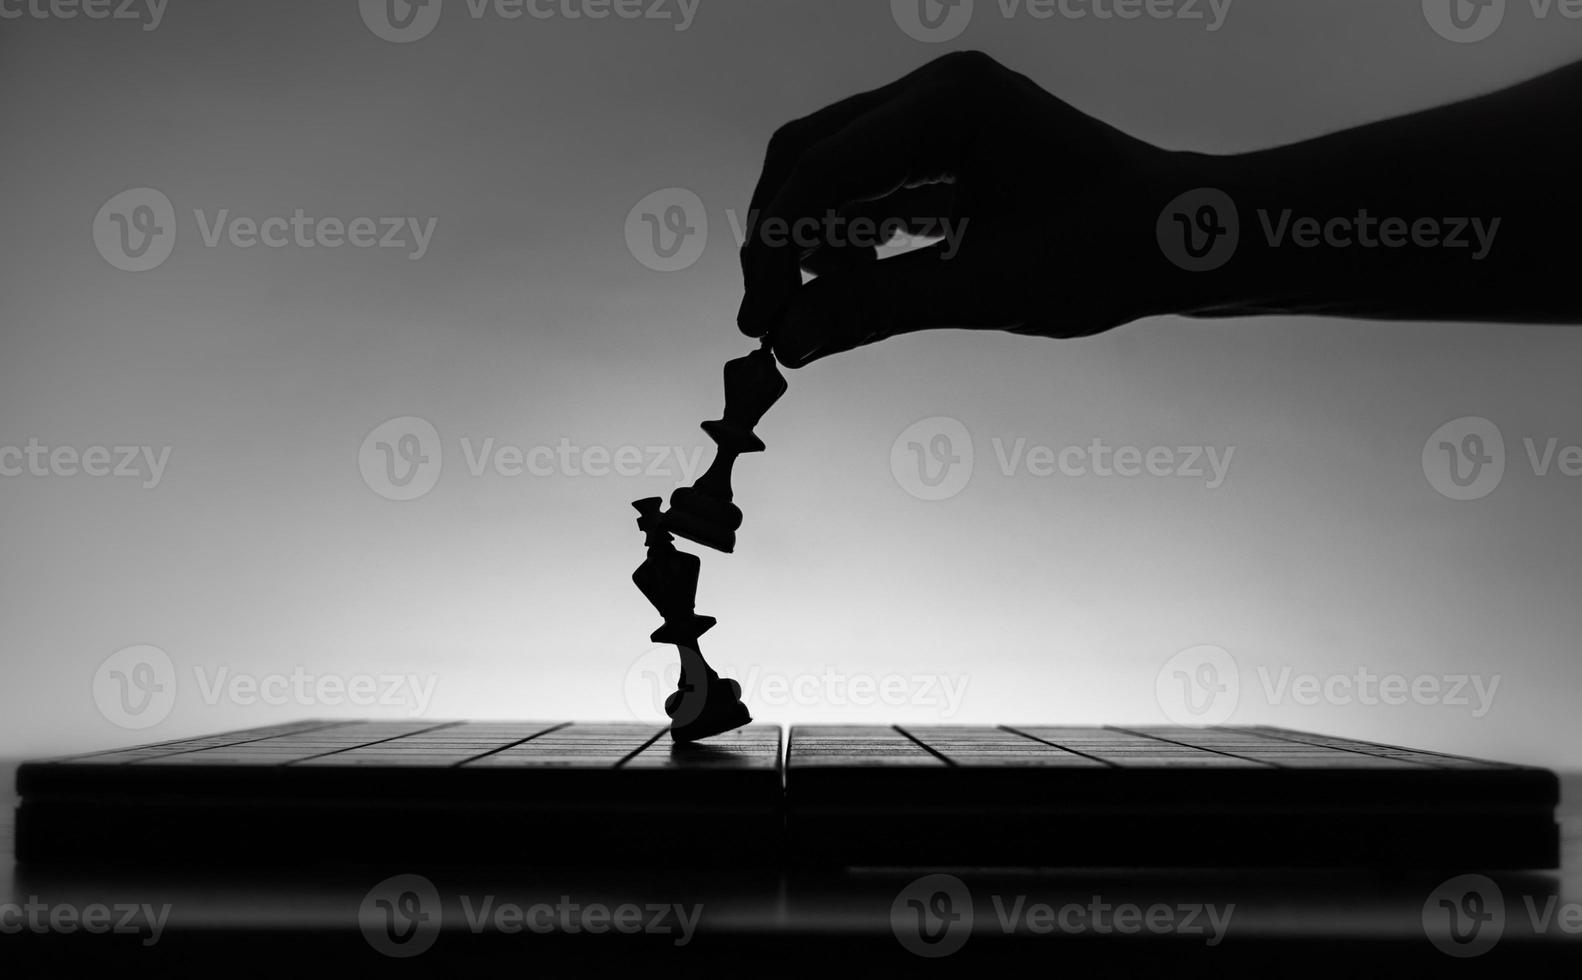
[(719, 710)]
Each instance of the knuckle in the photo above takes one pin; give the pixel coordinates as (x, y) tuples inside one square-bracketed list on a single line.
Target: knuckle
[(786, 140), (971, 64)]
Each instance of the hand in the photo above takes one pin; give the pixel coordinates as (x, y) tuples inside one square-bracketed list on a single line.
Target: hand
[(1050, 216)]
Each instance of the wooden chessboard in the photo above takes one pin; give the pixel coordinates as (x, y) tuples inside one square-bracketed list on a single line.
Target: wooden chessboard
[(366, 792), (1155, 797), (589, 794)]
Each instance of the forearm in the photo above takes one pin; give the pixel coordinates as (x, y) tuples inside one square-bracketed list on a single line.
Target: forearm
[(1468, 212)]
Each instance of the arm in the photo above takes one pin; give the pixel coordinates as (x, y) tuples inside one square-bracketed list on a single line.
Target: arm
[(1496, 178)]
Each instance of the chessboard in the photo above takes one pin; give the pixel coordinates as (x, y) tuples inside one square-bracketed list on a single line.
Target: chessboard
[(1038, 796), (367, 792), (524, 793)]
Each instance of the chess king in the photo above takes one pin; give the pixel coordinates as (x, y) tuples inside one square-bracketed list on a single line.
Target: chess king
[(704, 703)]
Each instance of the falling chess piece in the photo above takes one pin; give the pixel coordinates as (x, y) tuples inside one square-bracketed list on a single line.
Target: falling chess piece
[(704, 512), (703, 703), (669, 578)]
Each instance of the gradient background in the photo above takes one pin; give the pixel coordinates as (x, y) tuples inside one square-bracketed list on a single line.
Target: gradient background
[(529, 321)]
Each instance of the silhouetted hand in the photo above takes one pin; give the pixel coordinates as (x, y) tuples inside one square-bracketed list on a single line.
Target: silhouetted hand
[(1056, 224), (1032, 199)]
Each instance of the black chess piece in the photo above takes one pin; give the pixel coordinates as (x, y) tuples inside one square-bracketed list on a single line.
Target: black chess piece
[(703, 703), (704, 512)]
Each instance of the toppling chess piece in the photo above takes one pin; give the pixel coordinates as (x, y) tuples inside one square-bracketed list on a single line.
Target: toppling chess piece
[(703, 703), (704, 512), (669, 578)]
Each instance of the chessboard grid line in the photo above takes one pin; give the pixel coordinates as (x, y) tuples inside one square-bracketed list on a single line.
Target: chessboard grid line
[(942, 757), (1057, 745), (511, 745), (1276, 733), (175, 743), (1200, 748), (377, 741), (640, 749), (194, 750)]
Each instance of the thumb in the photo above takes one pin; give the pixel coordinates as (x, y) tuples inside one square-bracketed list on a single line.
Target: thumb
[(925, 289)]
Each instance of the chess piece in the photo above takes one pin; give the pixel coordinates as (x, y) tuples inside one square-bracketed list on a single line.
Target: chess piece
[(704, 512), (703, 703), (669, 578)]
